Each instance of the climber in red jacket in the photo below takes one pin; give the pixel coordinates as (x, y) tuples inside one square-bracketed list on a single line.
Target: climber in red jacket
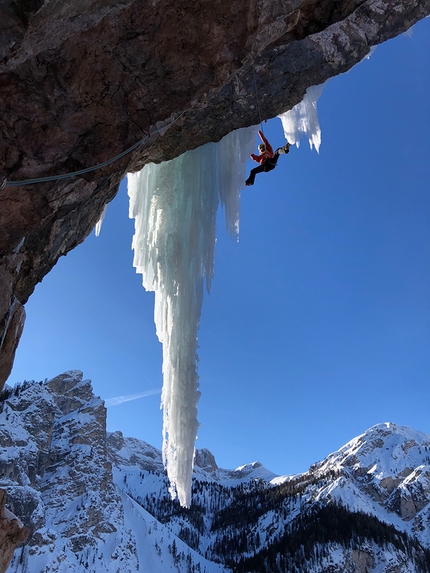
[(267, 158)]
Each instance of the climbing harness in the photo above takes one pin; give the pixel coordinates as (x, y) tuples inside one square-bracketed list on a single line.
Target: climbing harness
[(5, 183)]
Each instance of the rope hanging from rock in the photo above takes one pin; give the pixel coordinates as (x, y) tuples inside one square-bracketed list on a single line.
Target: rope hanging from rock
[(5, 183)]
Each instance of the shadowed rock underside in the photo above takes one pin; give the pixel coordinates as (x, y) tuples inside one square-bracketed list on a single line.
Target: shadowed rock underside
[(81, 82)]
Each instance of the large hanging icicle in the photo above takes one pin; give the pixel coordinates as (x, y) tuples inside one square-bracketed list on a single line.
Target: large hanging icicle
[(302, 119), (174, 205)]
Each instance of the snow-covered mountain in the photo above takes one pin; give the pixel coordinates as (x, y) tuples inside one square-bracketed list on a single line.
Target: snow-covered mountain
[(99, 502)]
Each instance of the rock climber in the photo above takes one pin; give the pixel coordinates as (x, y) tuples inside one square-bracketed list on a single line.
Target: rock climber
[(267, 158)]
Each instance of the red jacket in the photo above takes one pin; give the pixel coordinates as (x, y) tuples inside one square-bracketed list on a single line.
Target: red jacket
[(267, 154)]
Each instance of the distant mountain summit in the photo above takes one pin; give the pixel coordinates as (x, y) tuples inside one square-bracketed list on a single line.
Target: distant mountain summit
[(98, 502)]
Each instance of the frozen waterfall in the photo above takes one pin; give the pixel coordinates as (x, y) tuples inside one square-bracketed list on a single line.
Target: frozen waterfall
[(174, 205)]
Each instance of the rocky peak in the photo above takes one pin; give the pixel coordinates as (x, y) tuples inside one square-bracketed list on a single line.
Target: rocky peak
[(70, 391), (54, 460), (368, 452), (64, 383), (391, 465), (205, 460)]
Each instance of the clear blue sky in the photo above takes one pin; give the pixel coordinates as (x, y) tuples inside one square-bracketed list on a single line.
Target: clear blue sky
[(318, 322)]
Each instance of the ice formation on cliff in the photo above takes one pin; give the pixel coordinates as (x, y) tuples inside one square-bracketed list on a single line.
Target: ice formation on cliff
[(174, 205), (99, 223), (302, 120)]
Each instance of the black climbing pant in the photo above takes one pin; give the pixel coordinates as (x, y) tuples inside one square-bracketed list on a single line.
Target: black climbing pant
[(266, 166)]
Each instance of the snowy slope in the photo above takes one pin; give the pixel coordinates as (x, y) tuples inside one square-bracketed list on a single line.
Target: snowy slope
[(100, 502), (386, 472), (383, 473), (155, 544)]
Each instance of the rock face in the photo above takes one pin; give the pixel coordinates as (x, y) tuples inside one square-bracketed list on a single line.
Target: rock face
[(80, 82), (99, 502), (55, 468), (12, 532)]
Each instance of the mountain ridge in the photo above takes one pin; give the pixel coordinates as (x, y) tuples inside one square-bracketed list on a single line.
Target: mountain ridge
[(99, 501)]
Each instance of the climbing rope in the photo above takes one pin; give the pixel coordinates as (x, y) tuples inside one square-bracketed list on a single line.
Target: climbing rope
[(5, 183)]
